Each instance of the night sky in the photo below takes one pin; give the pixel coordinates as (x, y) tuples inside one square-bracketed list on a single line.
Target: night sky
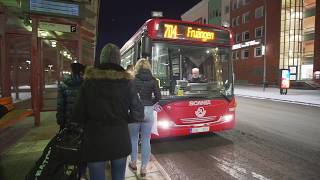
[(119, 20)]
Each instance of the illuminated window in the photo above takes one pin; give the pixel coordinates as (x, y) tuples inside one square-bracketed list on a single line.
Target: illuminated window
[(238, 37), (259, 32), (127, 58), (245, 36), (233, 22), (291, 45), (234, 5), (238, 3), (257, 52), (259, 12), (245, 54), (245, 17), (238, 20), (235, 55)]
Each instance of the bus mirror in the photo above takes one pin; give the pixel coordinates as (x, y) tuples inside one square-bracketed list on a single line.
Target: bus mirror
[(146, 46)]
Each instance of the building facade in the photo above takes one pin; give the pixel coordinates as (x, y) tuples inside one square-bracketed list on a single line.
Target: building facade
[(297, 44), (255, 57), (219, 12), (269, 36), (198, 13)]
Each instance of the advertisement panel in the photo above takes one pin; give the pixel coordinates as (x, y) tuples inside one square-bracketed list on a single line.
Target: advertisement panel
[(285, 79)]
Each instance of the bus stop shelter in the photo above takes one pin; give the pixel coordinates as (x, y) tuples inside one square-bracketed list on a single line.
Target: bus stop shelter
[(38, 43)]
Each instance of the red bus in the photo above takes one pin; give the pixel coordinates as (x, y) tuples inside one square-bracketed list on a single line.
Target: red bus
[(179, 53)]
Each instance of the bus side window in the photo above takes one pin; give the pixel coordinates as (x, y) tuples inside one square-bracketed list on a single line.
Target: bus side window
[(136, 53), (139, 50)]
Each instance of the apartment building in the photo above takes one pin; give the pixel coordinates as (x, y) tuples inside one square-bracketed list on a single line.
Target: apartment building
[(269, 36)]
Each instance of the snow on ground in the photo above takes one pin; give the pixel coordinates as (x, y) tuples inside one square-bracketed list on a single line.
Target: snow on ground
[(298, 96)]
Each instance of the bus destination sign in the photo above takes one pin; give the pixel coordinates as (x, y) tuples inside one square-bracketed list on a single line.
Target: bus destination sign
[(191, 32), (172, 31)]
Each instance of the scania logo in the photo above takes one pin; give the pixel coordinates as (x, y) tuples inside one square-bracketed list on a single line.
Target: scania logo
[(200, 103), (200, 112)]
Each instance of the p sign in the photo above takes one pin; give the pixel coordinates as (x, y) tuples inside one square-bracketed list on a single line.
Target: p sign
[(73, 28)]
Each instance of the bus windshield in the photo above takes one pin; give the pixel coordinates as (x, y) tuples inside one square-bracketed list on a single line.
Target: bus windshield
[(192, 71)]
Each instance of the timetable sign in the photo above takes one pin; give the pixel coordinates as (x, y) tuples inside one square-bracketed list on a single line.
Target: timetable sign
[(54, 7), (57, 27)]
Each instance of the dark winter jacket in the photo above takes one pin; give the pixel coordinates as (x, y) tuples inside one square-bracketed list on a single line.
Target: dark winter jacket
[(67, 95), (107, 102), (147, 85)]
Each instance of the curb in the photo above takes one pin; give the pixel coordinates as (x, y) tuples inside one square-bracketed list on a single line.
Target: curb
[(161, 169), (280, 100)]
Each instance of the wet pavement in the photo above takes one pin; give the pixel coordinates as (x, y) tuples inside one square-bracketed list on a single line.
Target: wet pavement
[(272, 140), (22, 144)]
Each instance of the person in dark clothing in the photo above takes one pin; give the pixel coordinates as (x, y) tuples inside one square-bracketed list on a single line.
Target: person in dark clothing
[(107, 102), (146, 86), (67, 94)]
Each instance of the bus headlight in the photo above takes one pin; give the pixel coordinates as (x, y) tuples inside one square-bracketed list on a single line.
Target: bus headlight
[(165, 123), (227, 117)]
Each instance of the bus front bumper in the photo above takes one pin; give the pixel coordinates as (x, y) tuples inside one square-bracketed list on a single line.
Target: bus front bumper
[(185, 130)]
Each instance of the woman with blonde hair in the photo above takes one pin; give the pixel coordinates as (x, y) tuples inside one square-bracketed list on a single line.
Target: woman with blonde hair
[(146, 85)]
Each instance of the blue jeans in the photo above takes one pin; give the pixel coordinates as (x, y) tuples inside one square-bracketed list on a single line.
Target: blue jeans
[(144, 128), (118, 169)]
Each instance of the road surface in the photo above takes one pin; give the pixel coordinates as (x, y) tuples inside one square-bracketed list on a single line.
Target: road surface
[(272, 140)]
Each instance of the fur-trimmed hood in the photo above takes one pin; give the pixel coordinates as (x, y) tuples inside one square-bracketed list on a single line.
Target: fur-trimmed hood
[(107, 71)]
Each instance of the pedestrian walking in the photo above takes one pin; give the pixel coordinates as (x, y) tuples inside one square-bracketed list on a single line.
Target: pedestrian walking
[(107, 102), (147, 88), (67, 94), (68, 91)]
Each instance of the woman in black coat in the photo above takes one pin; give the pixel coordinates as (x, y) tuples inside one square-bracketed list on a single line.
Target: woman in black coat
[(107, 102), (67, 94), (146, 86)]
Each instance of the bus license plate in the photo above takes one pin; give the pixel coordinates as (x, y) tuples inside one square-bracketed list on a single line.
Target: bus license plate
[(200, 129)]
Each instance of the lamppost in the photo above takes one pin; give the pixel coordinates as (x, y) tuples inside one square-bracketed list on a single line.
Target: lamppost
[(265, 46)]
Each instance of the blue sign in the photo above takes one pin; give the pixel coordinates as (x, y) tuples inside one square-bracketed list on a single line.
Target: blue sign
[(54, 7)]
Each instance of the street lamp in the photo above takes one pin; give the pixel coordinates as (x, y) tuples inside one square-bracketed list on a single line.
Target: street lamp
[(265, 46)]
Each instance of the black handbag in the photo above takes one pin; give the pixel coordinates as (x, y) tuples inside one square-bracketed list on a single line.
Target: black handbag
[(68, 146)]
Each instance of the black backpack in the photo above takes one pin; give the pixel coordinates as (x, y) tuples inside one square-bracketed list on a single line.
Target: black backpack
[(3, 110), (49, 167)]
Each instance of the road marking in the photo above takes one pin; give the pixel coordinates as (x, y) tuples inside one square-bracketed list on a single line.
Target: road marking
[(236, 171), (258, 176)]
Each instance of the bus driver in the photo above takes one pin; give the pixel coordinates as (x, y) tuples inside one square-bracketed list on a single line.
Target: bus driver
[(195, 76)]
